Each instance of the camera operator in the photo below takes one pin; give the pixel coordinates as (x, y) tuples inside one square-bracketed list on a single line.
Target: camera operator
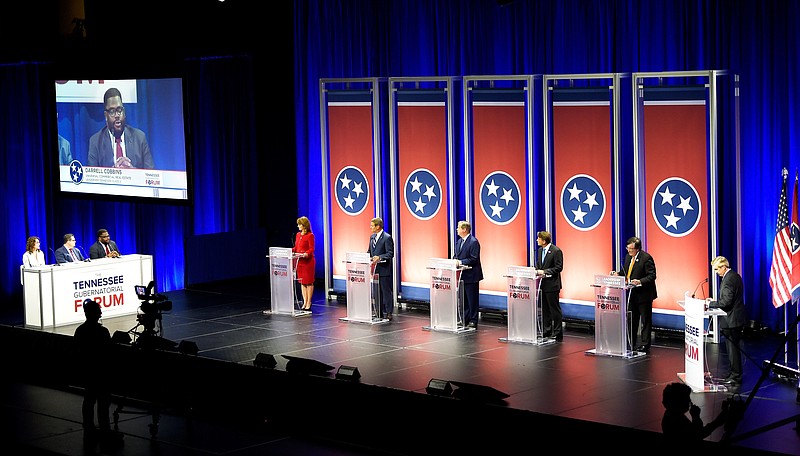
[(680, 429)]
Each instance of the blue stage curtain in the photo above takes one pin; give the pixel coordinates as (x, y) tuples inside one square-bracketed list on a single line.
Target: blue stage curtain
[(751, 38)]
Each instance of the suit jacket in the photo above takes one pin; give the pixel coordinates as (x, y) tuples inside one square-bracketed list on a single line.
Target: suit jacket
[(101, 149), (731, 299), (63, 256), (64, 151), (552, 266), (644, 269), (383, 249), (469, 252), (97, 250)]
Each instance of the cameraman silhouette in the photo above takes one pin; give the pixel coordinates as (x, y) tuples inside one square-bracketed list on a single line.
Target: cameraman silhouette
[(676, 425), (93, 344)]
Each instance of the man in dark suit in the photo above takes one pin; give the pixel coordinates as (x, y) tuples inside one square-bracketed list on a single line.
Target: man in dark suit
[(549, 264), (104, 247), (468, 253), (731, 300), (118, 144), (381, 250), (67, 253), (639, 268)]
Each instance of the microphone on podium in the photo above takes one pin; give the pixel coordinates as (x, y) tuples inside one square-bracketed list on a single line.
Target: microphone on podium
[(698, 286), (55, 260), (85, 257)]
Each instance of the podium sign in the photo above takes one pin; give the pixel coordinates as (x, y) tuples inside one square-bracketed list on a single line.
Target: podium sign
[(53, 295), (282, 277), (611, 317), (447, 297), (694, 348), (524, 324), (362, 297)]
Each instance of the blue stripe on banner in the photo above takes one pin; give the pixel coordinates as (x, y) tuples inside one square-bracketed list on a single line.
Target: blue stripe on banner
[(349, 96), (563, 95), (675, 93), (498, 95), (421, 96)]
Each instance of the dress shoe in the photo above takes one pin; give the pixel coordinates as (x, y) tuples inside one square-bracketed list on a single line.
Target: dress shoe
[(643, 348), (472, 324), (389, 317), (559, 337), (732, 381)]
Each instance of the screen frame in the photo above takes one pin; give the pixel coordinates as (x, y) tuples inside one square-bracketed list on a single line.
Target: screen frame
[(96, 114)]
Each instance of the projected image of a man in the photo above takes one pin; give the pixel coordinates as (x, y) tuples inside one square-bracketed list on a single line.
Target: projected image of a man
[(118, 144)]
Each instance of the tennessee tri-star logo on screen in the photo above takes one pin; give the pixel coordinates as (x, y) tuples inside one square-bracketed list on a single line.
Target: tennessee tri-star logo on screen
[(352, 190), (423, 194), (500, 198), (76, 171), (583, 202), (676, 207)]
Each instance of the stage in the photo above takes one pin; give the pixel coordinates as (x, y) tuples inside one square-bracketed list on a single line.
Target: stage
[(218, 402)]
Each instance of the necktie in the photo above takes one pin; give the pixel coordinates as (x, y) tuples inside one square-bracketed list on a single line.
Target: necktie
[(72, 254), (544, 254), (630, 268), (107, 251), (374, 242), (118, 140)]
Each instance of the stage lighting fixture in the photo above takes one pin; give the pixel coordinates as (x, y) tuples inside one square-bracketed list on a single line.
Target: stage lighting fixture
[(187, 347), (121, 337), (264, 360), (478, 393), (306, 366), (348, 373), (438, 387)]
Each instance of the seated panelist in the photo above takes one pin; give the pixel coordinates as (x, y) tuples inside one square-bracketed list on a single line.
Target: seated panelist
[(104, 247)]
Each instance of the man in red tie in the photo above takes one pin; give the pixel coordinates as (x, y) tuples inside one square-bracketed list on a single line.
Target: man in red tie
[(104, 247), (68, 253), (117, 144)]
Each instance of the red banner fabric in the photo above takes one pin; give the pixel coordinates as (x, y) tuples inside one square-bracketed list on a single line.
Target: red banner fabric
[(500, 190)]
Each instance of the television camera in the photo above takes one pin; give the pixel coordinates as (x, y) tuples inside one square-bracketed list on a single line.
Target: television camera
[(150, 310)]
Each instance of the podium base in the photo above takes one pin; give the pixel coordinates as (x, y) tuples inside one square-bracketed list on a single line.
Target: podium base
[(538, 341), (627, 354), (373, 321), (708, 386), (457, 330), (293, 313)]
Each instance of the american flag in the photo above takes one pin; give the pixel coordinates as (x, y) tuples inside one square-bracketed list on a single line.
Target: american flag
[(780, 276), (794, 233)]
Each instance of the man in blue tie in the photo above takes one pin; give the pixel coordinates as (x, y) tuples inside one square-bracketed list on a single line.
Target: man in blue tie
[(549, 264), (468, 253), (381, 251)]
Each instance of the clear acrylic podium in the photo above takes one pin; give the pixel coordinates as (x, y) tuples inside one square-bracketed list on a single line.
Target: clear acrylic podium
[(363, 290), (524, 312), (694, 352), (611, 318), (282, 263), (447, 296)]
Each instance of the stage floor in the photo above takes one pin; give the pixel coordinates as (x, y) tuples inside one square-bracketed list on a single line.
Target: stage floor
[(226, 322)]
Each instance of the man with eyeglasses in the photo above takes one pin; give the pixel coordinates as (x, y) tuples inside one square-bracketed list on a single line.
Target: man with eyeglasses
[(731, 300), (68, 253), (104, 247), (118, 145), (639, 268)]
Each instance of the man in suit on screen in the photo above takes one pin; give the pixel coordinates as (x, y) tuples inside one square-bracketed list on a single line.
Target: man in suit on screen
[(118, 144)]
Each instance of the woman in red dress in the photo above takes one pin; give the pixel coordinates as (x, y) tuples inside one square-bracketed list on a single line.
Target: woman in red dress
[(304, 245)]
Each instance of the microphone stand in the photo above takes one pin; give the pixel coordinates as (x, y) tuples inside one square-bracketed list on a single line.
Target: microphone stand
[(698, 286)]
